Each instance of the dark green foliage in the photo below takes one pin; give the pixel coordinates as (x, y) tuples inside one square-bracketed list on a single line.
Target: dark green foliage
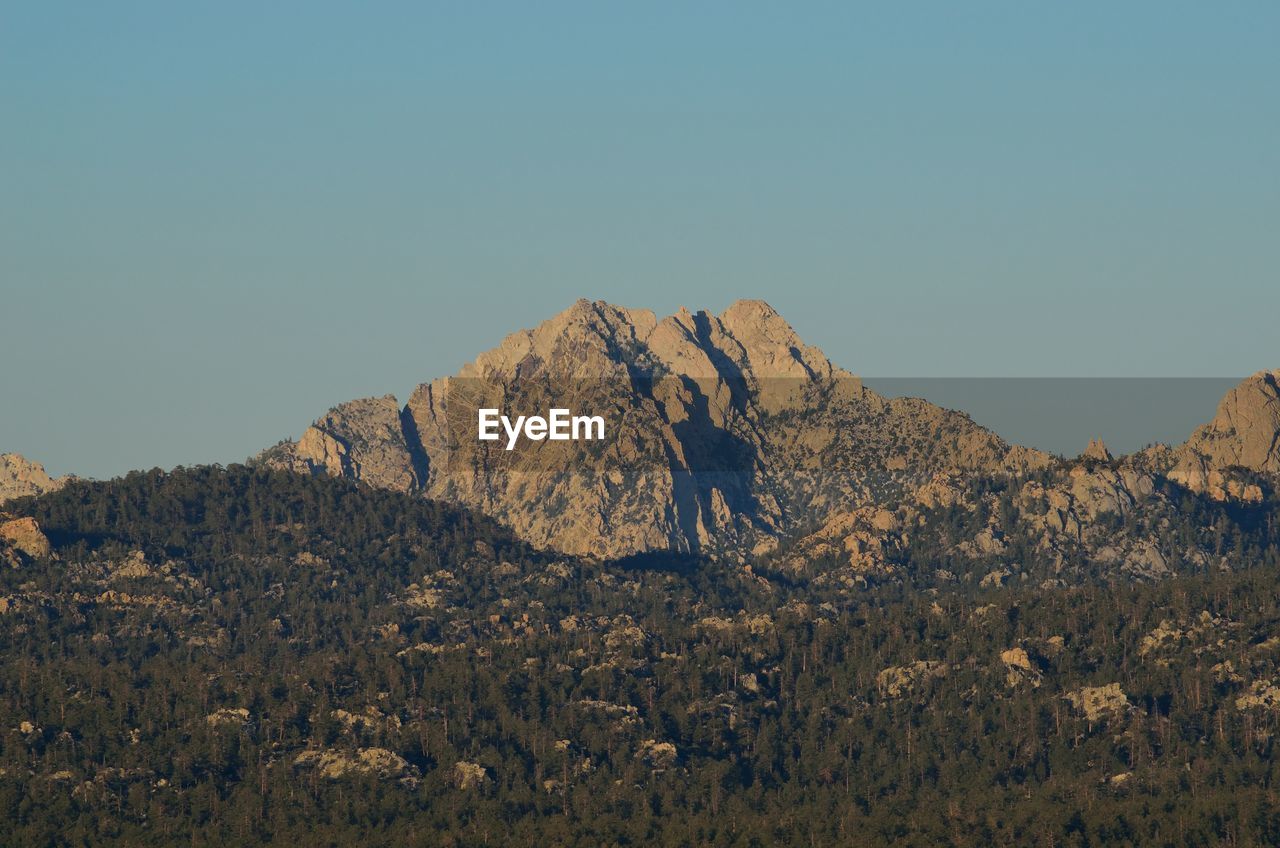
[(285, 596)]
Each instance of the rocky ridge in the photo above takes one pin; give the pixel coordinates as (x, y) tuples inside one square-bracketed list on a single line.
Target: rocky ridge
[(727, 432), (21, 477)]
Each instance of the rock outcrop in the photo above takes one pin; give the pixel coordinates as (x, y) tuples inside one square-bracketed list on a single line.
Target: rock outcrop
[(1243, 437), (20, 477), (866, 539), (1097, 450), (1016, 658), (469, 775), (1019, 668), (23, 536), (1245, 432), (235, 717), (375, 762), (899, 680), (1262, 694), (1099, 702), (362, 440)]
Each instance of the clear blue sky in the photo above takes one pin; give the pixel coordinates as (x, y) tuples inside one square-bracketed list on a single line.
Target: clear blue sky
[(216, 220)]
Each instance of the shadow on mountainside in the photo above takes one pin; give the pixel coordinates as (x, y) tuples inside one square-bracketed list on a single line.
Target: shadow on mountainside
[(671, 562)]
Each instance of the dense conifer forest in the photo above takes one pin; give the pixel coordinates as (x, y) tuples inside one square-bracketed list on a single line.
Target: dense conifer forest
[(239, 656)]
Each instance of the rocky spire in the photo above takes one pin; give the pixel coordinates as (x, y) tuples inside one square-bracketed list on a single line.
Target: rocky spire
[(1097, 449)]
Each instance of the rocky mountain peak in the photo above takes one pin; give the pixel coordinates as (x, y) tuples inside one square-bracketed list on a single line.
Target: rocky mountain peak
[(581, 341), (700, 454), (20, 477), (594, 339), (770, 346)]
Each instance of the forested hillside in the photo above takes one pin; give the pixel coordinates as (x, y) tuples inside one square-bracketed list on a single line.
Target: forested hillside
[(220, 657)]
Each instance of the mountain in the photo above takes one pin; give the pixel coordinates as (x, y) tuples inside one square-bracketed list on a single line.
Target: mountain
[(912, 632), (20, 477), (727, 434)]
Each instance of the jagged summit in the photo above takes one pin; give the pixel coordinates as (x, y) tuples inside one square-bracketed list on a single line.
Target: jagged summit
[(1097, 450), (595, 338), (725, 431)]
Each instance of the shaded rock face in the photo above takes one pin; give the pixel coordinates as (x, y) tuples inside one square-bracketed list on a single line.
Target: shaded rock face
[(723, 431), (20, 477)]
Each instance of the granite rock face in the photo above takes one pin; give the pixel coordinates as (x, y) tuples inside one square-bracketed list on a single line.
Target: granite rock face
[(1242, 440), (1097, 703), (724, 431), (22, 536), (727, 434), (1245, 431), (20, 477), (362, 440)]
